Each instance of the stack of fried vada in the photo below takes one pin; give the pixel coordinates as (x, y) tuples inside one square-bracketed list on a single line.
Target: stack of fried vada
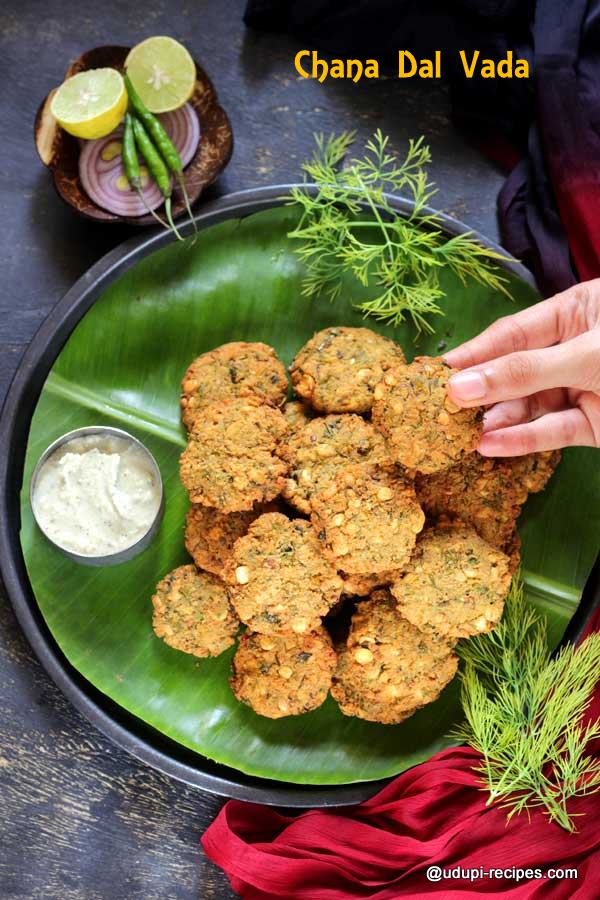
[(364, 497)]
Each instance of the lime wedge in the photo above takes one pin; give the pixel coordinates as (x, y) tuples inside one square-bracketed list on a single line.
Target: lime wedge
[(91, 104), (162, 72)]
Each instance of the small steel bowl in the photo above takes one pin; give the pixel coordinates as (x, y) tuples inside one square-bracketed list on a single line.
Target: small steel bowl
[(128, 553)]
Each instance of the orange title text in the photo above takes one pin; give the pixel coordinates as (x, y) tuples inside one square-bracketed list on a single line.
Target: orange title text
[(309, 64)]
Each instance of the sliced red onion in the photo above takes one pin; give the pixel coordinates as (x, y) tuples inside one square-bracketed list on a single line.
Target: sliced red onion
[(104, 180)]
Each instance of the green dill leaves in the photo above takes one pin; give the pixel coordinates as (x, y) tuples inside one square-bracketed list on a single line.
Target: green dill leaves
[(523, 713), (348, 227)]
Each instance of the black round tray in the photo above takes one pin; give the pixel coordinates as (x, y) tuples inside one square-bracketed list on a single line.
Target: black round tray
[(129, 732)]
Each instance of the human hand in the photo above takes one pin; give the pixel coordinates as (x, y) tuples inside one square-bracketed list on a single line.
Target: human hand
[(538, 372)]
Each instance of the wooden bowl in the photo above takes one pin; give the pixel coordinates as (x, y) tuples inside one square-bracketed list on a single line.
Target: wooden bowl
[(59, 151)]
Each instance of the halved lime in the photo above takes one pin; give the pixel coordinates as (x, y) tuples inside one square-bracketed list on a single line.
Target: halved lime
[(91, 104), (162, 72)]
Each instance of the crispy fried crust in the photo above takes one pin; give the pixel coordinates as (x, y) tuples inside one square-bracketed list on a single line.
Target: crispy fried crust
[(455, 585), (389, 668), (282, 580), (479, 490), (487, 493), (363, 585), (513, 551), (192, 612), (511, 547), (337, 369), (232, 371), (533, 471), (424, 429), (233, 458), (210, 534), (284, 674), (318, 450), (296, 414), (368, 519)]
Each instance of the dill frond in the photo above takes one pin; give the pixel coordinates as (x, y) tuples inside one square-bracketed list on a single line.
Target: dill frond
[(349, 226), (523, 712)]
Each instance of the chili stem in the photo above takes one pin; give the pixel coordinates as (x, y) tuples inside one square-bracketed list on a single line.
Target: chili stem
[(157, 169)]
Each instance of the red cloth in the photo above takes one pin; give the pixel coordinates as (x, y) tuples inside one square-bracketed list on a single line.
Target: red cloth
[(434, 814)]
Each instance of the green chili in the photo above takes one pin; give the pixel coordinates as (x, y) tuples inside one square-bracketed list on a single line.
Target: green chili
[(152, 157), (131, 164), (163, 142), (157, 168)]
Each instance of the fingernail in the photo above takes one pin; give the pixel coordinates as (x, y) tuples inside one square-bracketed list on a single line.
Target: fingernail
[(468, 386), (488, 424), (493, 419)]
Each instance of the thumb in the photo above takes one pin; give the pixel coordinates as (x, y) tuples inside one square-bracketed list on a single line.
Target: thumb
[(574, 364)]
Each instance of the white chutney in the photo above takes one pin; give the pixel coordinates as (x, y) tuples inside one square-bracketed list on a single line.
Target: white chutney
[(96, 495)]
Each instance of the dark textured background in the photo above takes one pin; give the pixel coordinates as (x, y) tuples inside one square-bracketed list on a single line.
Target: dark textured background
[(79, 819)]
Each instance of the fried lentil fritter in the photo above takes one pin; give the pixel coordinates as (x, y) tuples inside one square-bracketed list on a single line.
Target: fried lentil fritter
[(232, 371), (337, 370), (233, 458), (192, 612), (455, 585), (487, 492), (513, 551), (210, 534), (511, 547), (296, 414), (533, 471), (363, 585), (283, 674), (389, 668), (368, 518), (318, 450), (424, 429), (282, 580), (479, 490)]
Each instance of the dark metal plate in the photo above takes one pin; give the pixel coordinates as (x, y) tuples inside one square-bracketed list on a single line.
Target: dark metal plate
[(126, 730)]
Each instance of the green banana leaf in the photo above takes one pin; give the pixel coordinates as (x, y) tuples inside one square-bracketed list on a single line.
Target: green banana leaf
[(122, 366)]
